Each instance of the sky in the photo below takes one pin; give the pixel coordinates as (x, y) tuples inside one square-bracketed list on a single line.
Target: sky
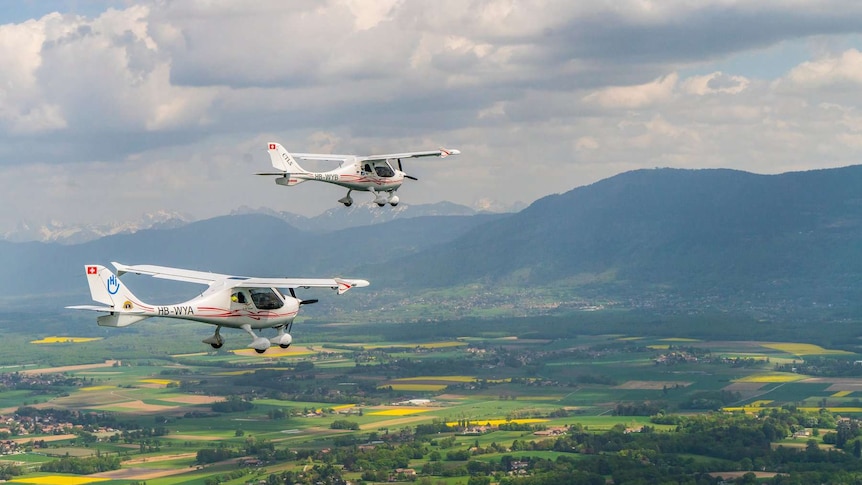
[(114, 109)]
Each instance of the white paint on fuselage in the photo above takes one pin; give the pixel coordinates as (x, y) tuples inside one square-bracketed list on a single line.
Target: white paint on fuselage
[(217, 309)]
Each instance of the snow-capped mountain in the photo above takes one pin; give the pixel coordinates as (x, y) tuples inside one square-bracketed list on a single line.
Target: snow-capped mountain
[(363, 214), (65, 233)]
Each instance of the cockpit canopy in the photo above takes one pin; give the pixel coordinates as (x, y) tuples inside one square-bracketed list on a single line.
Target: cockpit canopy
[(381, 168), (263, 298)]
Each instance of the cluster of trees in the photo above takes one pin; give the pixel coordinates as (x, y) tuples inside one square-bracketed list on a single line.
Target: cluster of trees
[(821, 366), (82, 466), (233, 404), (219, 453), (344, 424), (9, 471)]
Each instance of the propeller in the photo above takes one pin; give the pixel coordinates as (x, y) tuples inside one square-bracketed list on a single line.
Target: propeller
[(302, 302), (402, 170)]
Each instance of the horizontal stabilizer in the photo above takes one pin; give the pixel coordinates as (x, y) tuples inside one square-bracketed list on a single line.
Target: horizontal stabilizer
[(119, 320), (289, 180), (92, 308)]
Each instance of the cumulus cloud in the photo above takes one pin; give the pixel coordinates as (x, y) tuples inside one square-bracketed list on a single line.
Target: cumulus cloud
[(635, 96), (840, 69), (181, 96), (714, 83)]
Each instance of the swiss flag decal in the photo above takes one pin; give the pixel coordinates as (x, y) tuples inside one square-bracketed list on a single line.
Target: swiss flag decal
[(272, 146), (92, 270)]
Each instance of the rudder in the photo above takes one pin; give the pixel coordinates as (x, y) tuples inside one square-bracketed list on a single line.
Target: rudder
[(106, 287), (282, 160)]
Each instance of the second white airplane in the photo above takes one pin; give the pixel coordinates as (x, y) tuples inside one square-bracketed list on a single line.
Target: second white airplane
[(229, 301), (373, 173)]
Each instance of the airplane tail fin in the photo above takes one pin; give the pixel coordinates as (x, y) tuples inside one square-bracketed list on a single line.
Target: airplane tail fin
[(106, 288), (282, 160)]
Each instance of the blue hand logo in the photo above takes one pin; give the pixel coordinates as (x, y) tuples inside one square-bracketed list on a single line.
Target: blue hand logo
[(113, 285)]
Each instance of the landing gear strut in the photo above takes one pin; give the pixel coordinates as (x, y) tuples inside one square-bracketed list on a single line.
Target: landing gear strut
[(283, 339), (216, 341), (259, 344), (347, 200)]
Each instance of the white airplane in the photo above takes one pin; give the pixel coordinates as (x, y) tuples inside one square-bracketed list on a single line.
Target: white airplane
[(230, 301), (373, 173)]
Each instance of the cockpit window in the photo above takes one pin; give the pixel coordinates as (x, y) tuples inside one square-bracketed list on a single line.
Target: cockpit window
[(384, 170), (265, 299)]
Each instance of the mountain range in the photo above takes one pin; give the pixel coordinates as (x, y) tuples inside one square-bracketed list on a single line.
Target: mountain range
[(330, 220), (681, 239)]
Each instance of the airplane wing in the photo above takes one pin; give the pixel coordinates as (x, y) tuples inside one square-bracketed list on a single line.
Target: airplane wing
[(217, 280), (324, 156), (340, 284), (442, 153), (168, 273)]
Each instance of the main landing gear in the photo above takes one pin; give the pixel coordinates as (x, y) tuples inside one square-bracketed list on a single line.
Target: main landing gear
[(346, 200), (380, 199), (216, 341), (259, 344)]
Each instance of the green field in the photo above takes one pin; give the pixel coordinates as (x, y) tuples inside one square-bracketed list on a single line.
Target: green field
[(295, 398)]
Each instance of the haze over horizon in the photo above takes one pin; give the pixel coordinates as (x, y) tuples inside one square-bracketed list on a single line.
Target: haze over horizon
[(110, 109)]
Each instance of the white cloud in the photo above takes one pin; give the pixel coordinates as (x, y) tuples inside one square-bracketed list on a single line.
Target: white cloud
[(631, 97), (168, 104), (715, 83), (843, 68), (21, 109), (585, 143)]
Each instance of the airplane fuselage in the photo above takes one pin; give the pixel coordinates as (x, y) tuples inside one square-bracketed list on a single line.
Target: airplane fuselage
[(219, 309), (353, 178)]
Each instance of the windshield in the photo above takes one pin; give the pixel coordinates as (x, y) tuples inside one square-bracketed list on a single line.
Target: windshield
[(265, 299), (382, 169)]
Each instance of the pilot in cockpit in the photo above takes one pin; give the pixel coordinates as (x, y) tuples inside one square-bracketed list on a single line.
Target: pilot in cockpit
[(238, 297)]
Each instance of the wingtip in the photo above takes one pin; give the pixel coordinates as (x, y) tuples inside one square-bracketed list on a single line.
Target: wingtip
[(119, 267), (347, 284)]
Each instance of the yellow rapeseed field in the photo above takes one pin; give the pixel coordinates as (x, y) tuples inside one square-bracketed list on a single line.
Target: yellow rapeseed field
[(441, 345), (771, 377), (163, 382), (834, 409), (64, 340), (801, 349), (437, 378), (752, 407), (273, 353), (59, 480), (343, 406), (399, 411), (97, 388), (842, 394)]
